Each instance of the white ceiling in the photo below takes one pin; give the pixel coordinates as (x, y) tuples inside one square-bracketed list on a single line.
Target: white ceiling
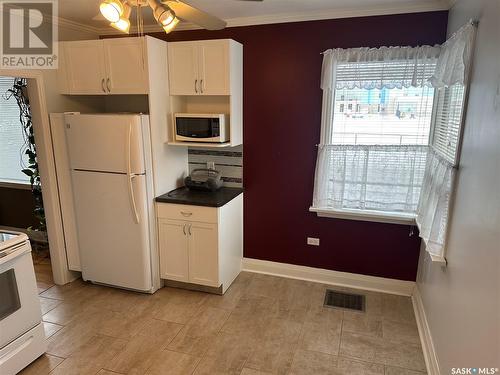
[(237, 12)]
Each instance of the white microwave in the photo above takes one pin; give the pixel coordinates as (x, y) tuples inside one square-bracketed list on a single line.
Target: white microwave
[(200, 127)]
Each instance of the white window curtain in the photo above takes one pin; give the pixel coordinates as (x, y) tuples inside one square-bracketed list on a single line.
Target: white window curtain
[(384, 178), (369, 177), (395, 178), (451, 77), (434, 204), (454, 59), (396, 67)]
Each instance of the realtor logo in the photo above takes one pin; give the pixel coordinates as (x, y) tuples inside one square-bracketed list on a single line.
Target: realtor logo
[(29, 35)]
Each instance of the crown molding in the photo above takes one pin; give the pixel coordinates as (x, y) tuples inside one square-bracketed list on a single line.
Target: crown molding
[(76, 26), (347, 12), (427, 6)]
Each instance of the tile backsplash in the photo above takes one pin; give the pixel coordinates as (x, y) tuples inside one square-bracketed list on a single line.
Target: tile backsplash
[(228, 160)]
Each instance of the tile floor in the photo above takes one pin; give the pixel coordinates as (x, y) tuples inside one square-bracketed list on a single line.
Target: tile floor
[(43, 270), (262, 325)]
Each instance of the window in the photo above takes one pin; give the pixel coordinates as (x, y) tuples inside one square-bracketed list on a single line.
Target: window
[(447, 124), (396, 156), (11, 137), (405, 120), (377, 148)]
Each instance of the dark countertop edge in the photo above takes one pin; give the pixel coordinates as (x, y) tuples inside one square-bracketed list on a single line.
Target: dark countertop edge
[(169, 200)]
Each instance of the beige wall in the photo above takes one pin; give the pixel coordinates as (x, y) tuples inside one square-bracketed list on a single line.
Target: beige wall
[(462, 300)]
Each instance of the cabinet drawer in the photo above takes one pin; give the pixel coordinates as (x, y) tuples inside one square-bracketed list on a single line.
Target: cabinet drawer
[(188, 213)]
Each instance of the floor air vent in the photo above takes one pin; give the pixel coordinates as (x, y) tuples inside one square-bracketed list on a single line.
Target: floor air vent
[(341, 300)]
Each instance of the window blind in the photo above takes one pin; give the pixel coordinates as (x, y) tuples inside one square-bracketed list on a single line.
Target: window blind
[(11, 136), (447, 121), (389, 74)]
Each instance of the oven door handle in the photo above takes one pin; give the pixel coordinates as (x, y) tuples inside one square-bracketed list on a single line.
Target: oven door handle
[(10, 250), (16, 351)]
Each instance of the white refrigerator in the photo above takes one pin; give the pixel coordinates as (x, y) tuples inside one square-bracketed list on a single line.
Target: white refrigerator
[(112, 178)]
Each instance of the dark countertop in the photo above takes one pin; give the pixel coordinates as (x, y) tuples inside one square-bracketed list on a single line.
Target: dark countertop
[(200, 198)]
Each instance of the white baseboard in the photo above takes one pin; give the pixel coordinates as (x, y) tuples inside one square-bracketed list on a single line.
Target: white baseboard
[(424, 331), (351, 280)]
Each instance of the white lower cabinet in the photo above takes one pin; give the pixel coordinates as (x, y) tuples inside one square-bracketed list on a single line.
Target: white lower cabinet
[(203, 254), (201, 245), (174, 247)]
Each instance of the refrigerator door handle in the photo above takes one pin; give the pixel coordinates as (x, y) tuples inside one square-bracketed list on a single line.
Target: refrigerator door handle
[(132, 197), (131, 176), (129, 147)]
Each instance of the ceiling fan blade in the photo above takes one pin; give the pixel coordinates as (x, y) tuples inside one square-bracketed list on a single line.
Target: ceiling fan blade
[(191, 14)]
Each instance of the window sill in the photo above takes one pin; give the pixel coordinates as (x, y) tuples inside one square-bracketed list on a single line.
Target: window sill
[(438, 260), (373, 216), (441, 260), (14, 185)]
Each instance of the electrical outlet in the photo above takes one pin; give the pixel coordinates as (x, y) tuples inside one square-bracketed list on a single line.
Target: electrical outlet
[(210, 165), (313, 241)]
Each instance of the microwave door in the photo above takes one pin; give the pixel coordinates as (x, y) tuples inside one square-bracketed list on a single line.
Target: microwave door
[(196, 128)]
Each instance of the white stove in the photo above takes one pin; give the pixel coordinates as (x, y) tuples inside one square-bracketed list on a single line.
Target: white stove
[(22, 338)]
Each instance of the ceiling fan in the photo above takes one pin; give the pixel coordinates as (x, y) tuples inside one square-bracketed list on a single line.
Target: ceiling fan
[(168, 13)]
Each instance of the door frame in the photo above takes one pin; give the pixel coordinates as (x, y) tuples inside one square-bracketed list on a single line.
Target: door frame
[(50, 193)]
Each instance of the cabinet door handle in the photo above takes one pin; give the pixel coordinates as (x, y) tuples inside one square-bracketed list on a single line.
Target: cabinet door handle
[(102, 85), (186, 214), (189, 229), (201, 86), (184, 229), (196, 86), (108, 81)]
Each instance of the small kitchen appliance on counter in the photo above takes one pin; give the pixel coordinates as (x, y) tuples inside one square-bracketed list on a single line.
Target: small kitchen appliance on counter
[(204, 180), (22, 337)]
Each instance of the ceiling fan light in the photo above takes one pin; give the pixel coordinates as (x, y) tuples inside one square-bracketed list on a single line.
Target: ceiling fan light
[(171, 25), (123, 25), (111, 10), (164, 16)]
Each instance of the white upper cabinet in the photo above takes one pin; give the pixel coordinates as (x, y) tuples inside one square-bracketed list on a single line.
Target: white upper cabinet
[(85, 67), (101, 67), (183, 68), (214, 67), (201, 67), (206, 76), (126, 66)]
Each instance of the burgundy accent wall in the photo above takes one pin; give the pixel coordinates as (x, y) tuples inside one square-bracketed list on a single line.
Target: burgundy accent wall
[(16, 208), (282, 112)]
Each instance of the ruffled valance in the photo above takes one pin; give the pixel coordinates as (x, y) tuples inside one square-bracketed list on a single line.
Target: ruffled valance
[(398, 67), (362, 68), (454, 59)]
